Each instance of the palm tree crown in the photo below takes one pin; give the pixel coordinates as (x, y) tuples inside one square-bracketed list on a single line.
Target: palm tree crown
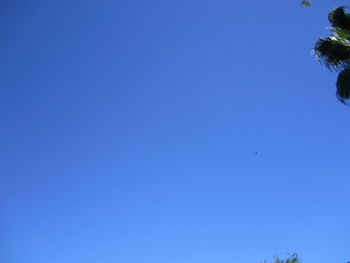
[(334, 51)]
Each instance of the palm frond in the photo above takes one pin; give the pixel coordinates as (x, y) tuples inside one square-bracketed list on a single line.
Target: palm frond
[(343, 86), (333, 52), (341, 33), (339, 18)]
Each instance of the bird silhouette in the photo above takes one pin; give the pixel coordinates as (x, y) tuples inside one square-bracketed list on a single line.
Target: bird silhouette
[(305, 3)]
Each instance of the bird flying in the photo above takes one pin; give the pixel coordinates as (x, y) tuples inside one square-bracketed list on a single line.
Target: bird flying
[(306, 3)]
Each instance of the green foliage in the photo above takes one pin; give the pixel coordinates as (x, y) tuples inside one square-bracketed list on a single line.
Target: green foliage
[(339, 18), (341, 34), (343, 90), (293, 258), (334, 53)]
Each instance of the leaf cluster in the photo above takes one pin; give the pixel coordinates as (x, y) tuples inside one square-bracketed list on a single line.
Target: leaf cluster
[(334, 51), (293, 258), (343, 89), (339, 18)]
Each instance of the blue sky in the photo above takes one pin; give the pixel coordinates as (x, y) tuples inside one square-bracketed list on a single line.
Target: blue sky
[(129, 131)]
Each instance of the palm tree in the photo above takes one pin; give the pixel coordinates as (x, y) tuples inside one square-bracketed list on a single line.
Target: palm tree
[(334, 52)]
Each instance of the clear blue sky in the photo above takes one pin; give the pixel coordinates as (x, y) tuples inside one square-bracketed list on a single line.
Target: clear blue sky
[(129, 131)]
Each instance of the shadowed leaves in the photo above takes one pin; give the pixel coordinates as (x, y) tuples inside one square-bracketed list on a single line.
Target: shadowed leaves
[(333, 52), (343, 86)]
